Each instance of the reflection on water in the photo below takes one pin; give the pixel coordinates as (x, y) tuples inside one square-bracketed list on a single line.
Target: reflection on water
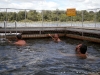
[(45, 57)]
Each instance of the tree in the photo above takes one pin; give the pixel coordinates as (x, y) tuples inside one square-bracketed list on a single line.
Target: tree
[(98, 16), (33, 15), (49, 15), (21, 15)]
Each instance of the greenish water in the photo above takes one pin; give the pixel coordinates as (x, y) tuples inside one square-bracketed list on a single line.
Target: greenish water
[(45, 57)]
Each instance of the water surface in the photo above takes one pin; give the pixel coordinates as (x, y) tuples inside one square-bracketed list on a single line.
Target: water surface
[(45, 57)]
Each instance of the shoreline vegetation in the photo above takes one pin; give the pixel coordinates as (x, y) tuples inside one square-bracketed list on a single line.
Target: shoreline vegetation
[(49, 16)]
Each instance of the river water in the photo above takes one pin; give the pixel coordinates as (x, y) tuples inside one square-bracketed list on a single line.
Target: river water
[(51, 24), (45, 57)]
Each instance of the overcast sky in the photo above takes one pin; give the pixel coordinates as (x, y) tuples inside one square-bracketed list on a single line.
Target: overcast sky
[(50, 4)]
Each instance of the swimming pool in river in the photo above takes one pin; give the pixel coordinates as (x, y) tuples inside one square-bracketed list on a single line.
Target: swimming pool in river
[(45, 57)]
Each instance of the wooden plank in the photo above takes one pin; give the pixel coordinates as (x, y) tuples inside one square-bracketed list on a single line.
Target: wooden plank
[(97, 40)]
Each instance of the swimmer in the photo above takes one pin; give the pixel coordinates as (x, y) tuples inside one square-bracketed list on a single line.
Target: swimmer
[(19, 41), (81, 51), (55, 37)]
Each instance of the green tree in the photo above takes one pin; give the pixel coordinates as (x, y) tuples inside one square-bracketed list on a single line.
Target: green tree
[(21, 15), (33, 15), (98, 16)]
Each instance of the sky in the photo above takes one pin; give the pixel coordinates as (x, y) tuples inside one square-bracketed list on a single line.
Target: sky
[(50, 4)]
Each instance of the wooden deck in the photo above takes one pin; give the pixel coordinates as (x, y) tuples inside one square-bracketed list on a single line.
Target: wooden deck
[(89, 34), (76, 29)]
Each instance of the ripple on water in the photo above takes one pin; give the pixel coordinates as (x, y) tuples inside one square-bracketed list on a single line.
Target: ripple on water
[(45, 57)]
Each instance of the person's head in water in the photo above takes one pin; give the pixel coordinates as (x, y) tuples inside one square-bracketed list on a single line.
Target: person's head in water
[(83, 49), (19, 37), (56, 36)]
